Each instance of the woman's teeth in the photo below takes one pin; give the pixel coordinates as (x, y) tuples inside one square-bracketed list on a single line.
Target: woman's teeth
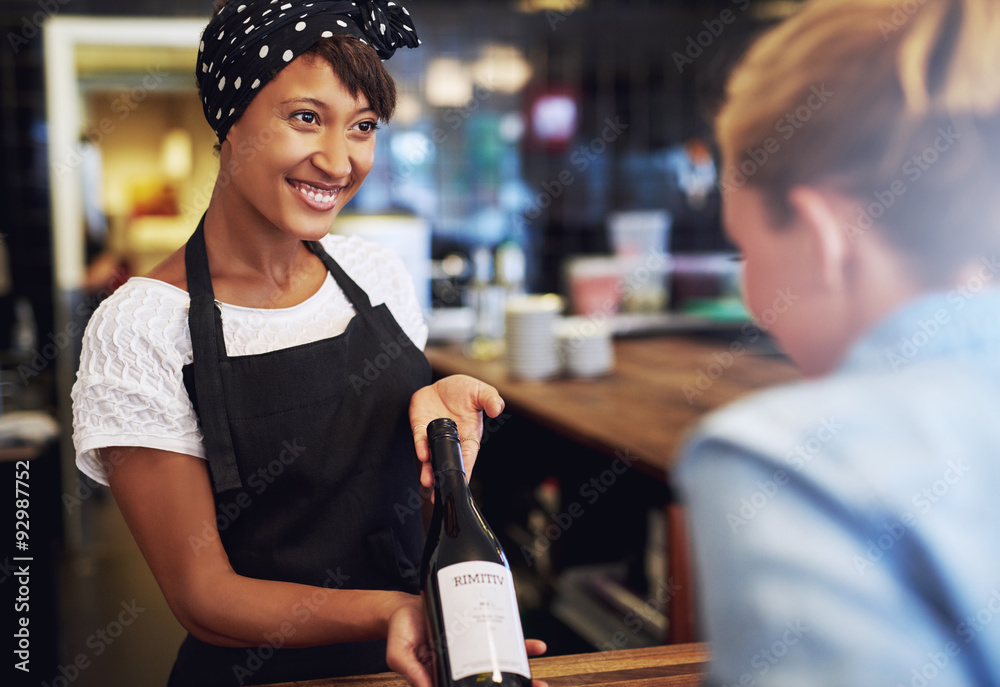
[(316, 194)]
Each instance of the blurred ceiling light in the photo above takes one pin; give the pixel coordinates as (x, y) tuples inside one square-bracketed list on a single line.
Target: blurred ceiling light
[(412, 148), (175, 154), (449, 83), (551, 5), (553, 118), (407, 109), (512, 127), (501, 68)]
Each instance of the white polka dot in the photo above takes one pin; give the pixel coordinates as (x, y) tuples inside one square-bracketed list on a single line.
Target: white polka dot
[(250, 28), (326, 34), (263, 51), (218, 115), (233, 40), (287, 57), (407, 27), (236, 84), (405, 11), (373, 15), (231, 111), (201, 46), (301, 25), (381, 28), (247, 20), (222, 83), (256, 82), (204, 67), (241, 8), (266, 12), (341, 22), (286, 5), (221, 34)]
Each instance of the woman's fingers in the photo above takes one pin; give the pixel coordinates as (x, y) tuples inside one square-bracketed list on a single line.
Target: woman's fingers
[(535, 647)]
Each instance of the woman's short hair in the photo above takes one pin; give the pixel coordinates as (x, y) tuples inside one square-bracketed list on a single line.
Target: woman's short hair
[(894, 103)]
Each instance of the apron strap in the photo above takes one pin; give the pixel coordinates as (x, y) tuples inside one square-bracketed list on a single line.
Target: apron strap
[(209, 348), (355, 294)]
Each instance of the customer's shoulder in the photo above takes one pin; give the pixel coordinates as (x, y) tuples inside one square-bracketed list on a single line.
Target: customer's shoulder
[(785, 411)]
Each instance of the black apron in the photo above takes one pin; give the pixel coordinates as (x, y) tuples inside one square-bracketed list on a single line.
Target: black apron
[(309, 450)]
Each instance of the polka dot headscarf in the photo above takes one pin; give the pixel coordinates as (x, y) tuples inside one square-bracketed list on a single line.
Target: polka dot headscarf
[(250, 41)]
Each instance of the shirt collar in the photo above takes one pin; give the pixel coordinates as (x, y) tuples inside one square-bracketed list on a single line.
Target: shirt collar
[(939, 324)]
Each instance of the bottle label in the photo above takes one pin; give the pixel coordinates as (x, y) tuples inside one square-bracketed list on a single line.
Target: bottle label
[(481, 622)]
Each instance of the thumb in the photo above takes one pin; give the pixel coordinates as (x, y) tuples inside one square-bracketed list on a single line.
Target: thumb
[(414, 672), (489, 399)]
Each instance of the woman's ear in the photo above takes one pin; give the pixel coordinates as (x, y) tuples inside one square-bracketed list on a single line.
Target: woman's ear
[(818, 213)]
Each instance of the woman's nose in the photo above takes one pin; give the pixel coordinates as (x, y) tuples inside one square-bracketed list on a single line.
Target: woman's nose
[(333, 157)]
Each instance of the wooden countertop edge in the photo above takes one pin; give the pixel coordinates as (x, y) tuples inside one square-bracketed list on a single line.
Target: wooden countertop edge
[(690, 660)]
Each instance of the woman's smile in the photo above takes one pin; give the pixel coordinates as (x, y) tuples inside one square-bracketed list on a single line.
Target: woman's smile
[(316, 196)]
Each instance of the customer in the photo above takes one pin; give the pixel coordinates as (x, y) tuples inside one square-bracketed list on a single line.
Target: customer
[(846, 527), (290, 360)]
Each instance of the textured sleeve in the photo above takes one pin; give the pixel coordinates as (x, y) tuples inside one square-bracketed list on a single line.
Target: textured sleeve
[(384, 277), (129, 389)]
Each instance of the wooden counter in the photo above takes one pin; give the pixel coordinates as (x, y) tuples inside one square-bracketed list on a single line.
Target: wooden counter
[(659, 388), (681, 665)]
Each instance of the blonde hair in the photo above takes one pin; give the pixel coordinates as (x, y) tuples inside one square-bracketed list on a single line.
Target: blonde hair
[(895, 103)]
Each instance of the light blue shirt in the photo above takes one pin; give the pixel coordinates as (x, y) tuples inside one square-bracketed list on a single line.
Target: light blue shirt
[(846, 531)]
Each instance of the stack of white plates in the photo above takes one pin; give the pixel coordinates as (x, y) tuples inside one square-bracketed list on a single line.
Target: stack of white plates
[(528, 335), (585, 348)]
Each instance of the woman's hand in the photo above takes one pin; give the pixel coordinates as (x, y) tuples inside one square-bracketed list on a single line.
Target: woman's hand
[(408, 650), (461, 398)]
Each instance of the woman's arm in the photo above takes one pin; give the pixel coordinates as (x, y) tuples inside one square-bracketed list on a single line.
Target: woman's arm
[(166, 500)]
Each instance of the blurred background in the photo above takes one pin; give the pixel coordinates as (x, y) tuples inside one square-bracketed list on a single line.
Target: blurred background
[(537, 144)]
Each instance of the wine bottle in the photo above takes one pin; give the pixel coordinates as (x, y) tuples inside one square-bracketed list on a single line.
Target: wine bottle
[(466, 583)]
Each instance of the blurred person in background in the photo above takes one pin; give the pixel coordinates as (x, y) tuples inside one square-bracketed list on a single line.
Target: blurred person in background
[(845, 527)]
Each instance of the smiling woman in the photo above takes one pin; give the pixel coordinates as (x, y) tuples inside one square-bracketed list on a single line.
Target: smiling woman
[(214, 394)]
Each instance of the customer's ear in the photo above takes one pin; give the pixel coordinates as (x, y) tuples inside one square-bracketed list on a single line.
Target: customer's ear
[(818, 213)]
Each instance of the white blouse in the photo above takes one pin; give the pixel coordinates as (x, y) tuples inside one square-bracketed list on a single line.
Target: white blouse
[(129, 390)]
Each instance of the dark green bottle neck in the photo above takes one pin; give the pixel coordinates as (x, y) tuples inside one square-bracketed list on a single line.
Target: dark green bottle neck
[(446, 461)]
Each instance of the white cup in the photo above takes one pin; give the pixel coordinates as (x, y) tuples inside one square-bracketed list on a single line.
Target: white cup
[(585, 347)]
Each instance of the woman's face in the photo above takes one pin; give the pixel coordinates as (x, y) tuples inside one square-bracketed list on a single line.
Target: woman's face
[(301, 150)]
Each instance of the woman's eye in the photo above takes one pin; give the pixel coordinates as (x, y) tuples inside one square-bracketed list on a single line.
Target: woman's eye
[(306, 117), (367, 127)]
